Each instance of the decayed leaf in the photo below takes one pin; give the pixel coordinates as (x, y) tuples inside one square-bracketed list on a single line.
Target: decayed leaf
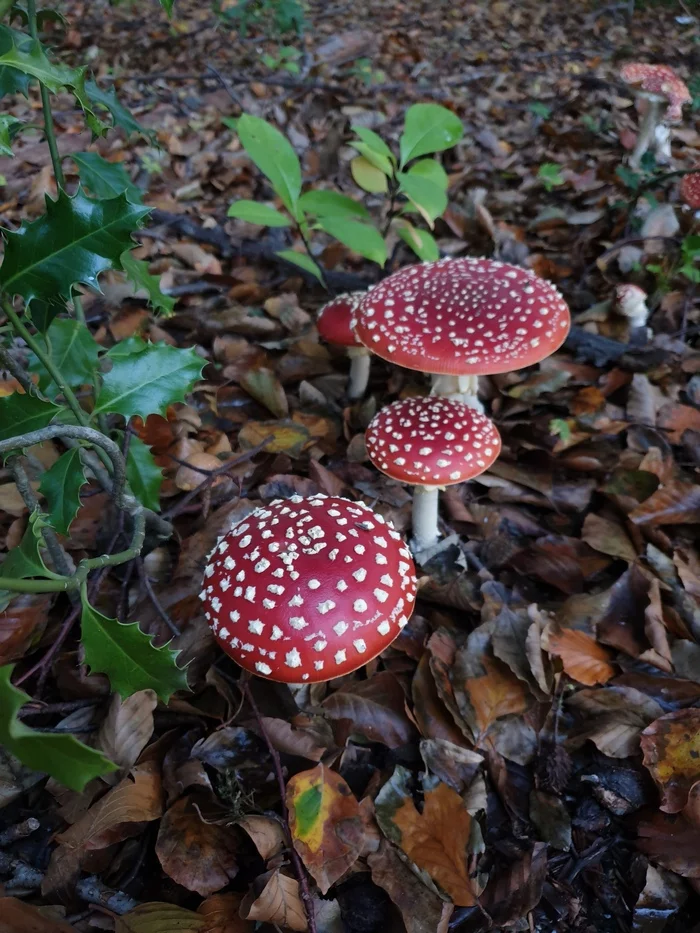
[(21, 623), (436, 840), (200, 856), (293, 741), (676, 503), (18, 917), (285, 437), (512, 894), (422, 910), (221, 914), (608, 537), (155, 917), (127, 728), (671, 748), (671, 841), (493, 691), (324, 818), (617, 715), (267, 834), (453, 764), (374, 707), (582, 657), (275, 899)]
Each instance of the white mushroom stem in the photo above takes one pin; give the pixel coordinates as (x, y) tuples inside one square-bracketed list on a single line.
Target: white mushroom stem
[(635, 311), (662, 143), (359, 371), (647, 130), (425, 517), (458, 388)]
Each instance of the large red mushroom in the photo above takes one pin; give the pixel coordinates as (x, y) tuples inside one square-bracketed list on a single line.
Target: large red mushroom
[(655, 87), (334, 325), (308, 589)]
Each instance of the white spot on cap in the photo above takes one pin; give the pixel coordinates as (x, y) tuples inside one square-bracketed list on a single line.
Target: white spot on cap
[(262, 565), (340, 628), (256, 626), (325, 606), (276, 633), (313, 584), (320, 645), (292, 658), (340, 656), (249, 594), (318, 665), (296, 600), (359, 605), (262, 668), (234, 615), (359, 574), (381, 595), (384, 628), (360, 645), (298, 622)]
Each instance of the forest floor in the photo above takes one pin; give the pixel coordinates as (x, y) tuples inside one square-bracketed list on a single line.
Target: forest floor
[(549, 680)]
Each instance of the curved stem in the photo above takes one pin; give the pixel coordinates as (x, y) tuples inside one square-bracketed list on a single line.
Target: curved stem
[(425, 518)]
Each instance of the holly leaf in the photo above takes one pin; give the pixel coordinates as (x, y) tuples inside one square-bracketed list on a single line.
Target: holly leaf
[(121, 117), (20, 414), (60, 485), (74, 352), (28, 57), (25, 560), (13, 81), (150, 381), (167, 6), (144, 476), (9, 128), (73, 242), (105, 179), (127, 656), (137, 272), (62, 756)]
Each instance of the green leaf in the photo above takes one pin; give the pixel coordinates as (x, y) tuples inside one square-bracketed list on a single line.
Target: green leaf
[(105, 179), (374, 141), (361, 238), (136, 271), (13, 81), (9, 128), (550, 175), (368, 176), (332, 204), (127, 656), (20, 414), (73, 242), (255, 213), (29, 58), (150, 381), (25, 560), (432, 171), (42, 314), (302, 260), (539, 109), (128, 347), (60, 486), (429, 199), (421, 242), (144, 476), (62, 756), (428, 128), (377, 159), (167, 6), (274, 156), (121, 117), (72, 349)]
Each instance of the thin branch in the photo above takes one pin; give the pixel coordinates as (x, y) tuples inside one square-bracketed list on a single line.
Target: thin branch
[(157, 605), (9, 363)]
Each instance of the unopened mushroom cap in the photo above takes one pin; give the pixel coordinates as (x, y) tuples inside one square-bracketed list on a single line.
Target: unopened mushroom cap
[(661, 80), (308, 589), (690, 190), (432, 441), (463, 317), (334, 319)]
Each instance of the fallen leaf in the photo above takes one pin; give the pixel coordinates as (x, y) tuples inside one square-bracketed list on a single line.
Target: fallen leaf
[(374, 707), (671, 748), (293, 741), (154, 917), (669, 840), (422, 910), (266, 834), (582, 657), (18, 917), (265, 388), (275, 899), (21, 624), (126, 729), (286, 437), (608, 537), (676, 503), (662, 896), (513, 893), (221, 914)]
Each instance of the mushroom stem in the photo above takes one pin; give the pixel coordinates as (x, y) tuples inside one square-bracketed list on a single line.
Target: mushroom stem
[(458, 388), (647, 131), (359, 371), (425, 517)]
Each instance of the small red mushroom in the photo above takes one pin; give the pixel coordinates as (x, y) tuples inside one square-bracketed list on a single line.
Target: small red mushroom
[(308, 589), (655, 86), (690, 190), (631, 302), (334, 325), (431, 443), (461, 318)]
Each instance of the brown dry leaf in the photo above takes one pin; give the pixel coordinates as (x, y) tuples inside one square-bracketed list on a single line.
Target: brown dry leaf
[(582, 657), (375, 707), (267, 834), (513, 893), (22, 623), (672, 842), (200, 856), (221, 914), (608, 537), (676, 503), (422, 910), (264, 386), (293, 741), (285, 437), (493, 692), (155, 917), (275, 899), (18, 917), (688, 567), (190, 475), (671, 748), (675, 419), (618, 715), (126, 729), (324, 819)]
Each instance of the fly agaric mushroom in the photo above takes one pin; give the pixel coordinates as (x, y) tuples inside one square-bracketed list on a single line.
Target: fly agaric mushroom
[(654, 86), (431, 443), (631, 302), (305, 590), (461, 318), (334, 326), (690, 190)]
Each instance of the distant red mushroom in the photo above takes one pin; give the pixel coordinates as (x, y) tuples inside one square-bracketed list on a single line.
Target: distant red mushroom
[(334, 325), (431, 443), (655, 86), (461, 318), (305, 590), (690, 190)]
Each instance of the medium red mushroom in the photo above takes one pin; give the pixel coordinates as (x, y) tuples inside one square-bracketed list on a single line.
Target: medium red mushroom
[(431, 443), (654, 87), (305, 590), (690, 190), (334, 326), (461, 318)]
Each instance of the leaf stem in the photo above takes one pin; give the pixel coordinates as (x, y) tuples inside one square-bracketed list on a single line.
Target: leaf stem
[(307, 247), (46, 103)]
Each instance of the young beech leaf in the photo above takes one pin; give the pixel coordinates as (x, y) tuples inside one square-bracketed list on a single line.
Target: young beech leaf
[(421, 242), (274, 156), (377, 159), (20, 414), (60, 485), (25, 560), (432, 171), (302, 260), (73, 242), (150, 381), (167, 6), (332, 204), (127, 656), (368, 176), (145, 478), (374, 141), (428, 128), (62, 756), (428, 198), (136, 270), (255, 213), (105, 179), (359, 237), (74, 352)]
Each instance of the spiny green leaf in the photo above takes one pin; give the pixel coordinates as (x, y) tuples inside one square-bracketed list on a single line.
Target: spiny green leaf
[(9, 128), (28, 57), (302, 260), (150, 381), (128, 347), (127, 656), (274, 156), (74, 352), (73, 242), (20, 414), (421, 242), (62, 756), (121, 117), (137, 272), (255, 213), (332, 204), (363, 239), (428, 128), (60, 485), (25, 560), (42, 314), (105, 179), (144, 476), (13, 81)]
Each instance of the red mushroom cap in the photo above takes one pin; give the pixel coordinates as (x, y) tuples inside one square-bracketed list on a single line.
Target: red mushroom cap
[(308, 589), (661, 80), (463, 317), (690, 190), (629, 295), (432, 441), (334, 319)]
